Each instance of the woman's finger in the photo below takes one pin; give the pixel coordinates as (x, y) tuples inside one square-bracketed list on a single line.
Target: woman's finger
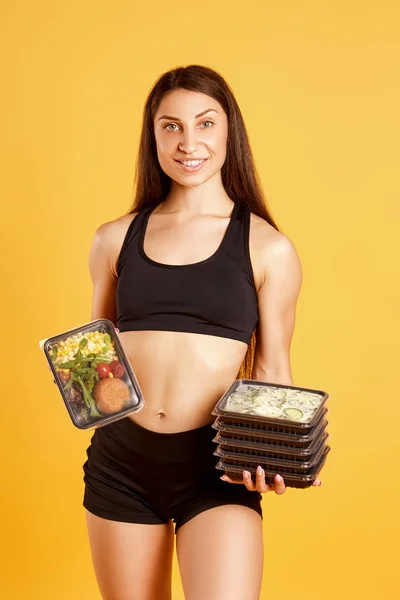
[(317, 482), (229, 480), (280, 486), (248, 482), (261, 485)]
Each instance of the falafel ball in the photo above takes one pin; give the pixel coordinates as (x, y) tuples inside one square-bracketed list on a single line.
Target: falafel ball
[(111, 395)]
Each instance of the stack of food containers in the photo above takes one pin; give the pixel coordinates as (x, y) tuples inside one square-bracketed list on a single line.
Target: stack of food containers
[(281, 428)]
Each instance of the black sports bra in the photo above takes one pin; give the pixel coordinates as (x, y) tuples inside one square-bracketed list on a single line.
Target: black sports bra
[(216, 296)]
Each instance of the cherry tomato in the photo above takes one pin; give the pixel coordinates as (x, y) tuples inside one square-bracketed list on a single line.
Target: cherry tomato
[(103, 370), (117, 368)]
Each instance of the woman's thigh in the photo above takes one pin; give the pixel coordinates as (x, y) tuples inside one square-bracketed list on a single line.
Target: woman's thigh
[(131, 561), (221, 553)]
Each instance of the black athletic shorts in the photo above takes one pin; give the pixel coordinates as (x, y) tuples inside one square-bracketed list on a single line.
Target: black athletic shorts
[(136, 475)]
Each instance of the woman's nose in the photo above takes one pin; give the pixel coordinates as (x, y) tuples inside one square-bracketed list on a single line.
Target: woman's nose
[(188, 142)]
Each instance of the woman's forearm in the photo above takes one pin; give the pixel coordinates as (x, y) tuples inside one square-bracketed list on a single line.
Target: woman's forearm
[(282, 377)]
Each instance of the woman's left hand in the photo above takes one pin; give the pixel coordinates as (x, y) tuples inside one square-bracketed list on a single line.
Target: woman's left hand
[(260, 486)]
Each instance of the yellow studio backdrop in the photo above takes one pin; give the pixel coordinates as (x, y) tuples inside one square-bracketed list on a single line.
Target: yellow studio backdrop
[(318, 85)]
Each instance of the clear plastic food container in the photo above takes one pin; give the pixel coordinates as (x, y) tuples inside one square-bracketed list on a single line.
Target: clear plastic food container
[(270, 464), (270, 450), (280, 439), (294, 480), (290, 409), (93, 374)]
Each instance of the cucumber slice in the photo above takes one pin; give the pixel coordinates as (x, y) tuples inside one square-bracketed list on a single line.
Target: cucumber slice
[(293, 413)]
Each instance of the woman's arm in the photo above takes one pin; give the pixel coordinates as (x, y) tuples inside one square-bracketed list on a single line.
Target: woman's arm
[(103, 257), (102, 273), (277, 295), (277, 299)]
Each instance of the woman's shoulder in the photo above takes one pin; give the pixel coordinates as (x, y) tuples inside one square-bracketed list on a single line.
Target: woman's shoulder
[(109, 237), (111, 232), (269, 247), (264, 236)]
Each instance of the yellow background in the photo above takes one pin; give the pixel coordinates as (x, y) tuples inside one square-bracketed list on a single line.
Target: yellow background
[(318, 85)]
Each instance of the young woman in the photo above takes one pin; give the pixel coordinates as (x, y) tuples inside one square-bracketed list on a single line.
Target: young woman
[(189, 276)]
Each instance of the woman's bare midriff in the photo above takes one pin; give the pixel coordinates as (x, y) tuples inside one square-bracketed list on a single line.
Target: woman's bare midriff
[(181, 375)]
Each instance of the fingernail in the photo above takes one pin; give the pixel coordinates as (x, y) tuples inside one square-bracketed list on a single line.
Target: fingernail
[(259, 470), (246, 474), (223, 478), (279, 478)]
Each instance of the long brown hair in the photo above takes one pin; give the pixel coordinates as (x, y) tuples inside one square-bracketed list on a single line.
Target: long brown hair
[(239, 175)]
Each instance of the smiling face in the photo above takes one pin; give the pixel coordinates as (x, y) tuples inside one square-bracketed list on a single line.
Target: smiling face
[(190, 126)]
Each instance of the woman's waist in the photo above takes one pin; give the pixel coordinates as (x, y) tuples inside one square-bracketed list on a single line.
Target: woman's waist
[(177, 401), (129, 435), (175, 415), (178, 352), (181, 377)]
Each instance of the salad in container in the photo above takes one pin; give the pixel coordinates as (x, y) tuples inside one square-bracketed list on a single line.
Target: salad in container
[(270, 406), (93, 374)]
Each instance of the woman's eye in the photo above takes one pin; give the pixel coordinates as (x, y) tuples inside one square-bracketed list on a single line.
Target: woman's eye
[(175, 125)]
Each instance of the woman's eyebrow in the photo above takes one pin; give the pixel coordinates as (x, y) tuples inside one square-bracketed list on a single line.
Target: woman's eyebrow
[(196, 116)]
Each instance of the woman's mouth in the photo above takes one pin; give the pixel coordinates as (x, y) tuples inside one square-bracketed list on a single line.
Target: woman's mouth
[(191, 166)]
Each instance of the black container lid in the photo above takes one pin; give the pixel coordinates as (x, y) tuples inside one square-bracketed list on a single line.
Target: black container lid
[(263, 446), (262, 421), (273, 434), (271, 462), (289, 477)]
